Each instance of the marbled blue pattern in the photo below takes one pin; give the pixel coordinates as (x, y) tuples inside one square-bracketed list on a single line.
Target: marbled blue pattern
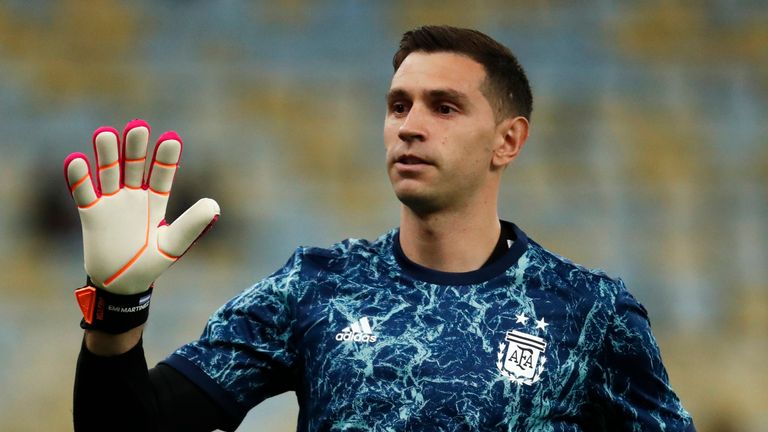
[(441, 359)]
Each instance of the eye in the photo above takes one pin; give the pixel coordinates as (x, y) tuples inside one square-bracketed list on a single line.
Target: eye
[(398, 108), (446, 109)]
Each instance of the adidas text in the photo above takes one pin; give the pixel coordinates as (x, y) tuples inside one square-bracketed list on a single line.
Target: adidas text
[(356, 337), (358, 331)]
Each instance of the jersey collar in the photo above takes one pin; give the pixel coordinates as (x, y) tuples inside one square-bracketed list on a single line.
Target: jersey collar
[(483, 274)]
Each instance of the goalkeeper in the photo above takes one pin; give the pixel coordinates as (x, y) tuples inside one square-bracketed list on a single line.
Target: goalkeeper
[(455, 320)]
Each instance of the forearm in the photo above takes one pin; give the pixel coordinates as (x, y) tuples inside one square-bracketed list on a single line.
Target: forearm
[(108, 345), (113, 393)]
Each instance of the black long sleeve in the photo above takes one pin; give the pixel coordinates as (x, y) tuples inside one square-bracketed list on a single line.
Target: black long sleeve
[(120, 394)]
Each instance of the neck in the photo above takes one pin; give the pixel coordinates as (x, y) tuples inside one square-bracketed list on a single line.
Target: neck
[(450, 241)]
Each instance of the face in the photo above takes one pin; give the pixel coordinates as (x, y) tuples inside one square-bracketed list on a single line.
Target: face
[(440, 132)]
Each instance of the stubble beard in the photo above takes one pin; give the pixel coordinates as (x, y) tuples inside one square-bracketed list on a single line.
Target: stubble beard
[(421, 203)]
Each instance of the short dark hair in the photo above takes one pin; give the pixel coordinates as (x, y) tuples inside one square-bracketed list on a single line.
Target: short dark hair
[(506, 87)]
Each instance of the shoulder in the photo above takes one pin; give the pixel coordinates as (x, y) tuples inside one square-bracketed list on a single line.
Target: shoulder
[(346, 255), (591, 288), (556, 271), (309, 267)]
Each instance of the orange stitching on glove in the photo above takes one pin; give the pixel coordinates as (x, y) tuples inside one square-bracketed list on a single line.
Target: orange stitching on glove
[(167, 255), (93, 203), (165, 165), (160, 193), (79, 182), (113, 164)]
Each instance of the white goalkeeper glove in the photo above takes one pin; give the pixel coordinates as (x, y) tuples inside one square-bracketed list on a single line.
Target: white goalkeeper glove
[(126, 242)]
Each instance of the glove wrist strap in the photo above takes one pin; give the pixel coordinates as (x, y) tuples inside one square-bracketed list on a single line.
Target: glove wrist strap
[(112, 313)]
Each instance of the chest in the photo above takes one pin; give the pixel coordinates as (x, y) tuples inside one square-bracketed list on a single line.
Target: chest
[(473, 356)]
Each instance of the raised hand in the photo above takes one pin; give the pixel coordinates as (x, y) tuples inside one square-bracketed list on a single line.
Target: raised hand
[(126, 242)]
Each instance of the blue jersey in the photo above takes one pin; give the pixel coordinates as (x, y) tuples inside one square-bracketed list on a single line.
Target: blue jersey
[(371, 341)]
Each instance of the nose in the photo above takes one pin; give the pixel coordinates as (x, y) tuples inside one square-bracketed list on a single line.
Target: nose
[(413, 127)]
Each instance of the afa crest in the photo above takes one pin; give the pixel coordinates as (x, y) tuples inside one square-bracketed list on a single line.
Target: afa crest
[(521, 357)]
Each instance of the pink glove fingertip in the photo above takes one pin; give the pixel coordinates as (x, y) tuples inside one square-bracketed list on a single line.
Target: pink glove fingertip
[(134, 124), (103, 129), (170, 135), (68, 160)]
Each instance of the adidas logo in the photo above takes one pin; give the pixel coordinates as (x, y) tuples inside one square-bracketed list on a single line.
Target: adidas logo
[(358, 331)]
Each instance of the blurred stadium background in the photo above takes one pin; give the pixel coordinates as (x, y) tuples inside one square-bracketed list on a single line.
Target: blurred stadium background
[(647, 158)]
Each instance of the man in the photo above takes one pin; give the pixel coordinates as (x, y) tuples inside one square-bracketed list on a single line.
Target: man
[(454, 321)]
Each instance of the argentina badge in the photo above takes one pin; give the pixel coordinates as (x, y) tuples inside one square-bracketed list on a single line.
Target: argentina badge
[(521, 355)]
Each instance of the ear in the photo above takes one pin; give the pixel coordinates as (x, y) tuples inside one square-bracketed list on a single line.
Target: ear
[(512, 134)]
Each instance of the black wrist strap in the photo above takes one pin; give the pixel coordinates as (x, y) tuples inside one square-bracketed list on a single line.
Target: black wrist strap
[(112, 313)]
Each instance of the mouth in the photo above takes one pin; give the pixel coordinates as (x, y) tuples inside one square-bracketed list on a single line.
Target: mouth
[(408, 159)]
